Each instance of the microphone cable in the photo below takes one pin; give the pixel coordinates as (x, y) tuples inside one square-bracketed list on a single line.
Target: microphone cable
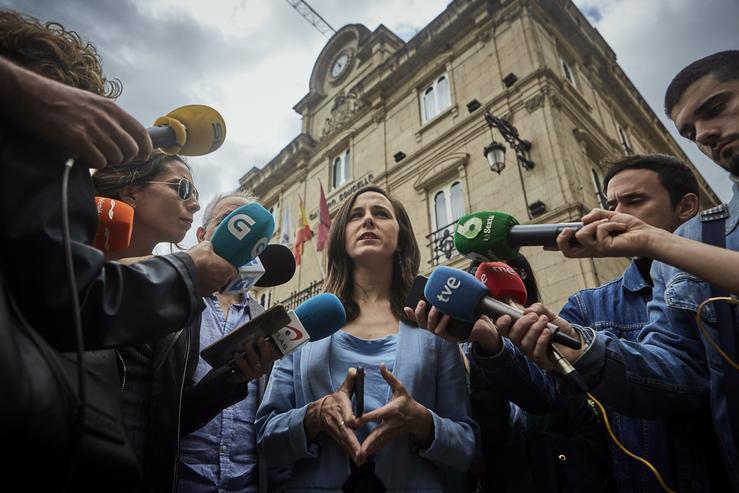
[(79, 417), (699, 321), (573, 377)]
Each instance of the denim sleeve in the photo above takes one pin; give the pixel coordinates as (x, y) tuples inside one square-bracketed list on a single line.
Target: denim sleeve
[(661, 374), (456, 434), (572, 312), (515, 378), (281, 438)]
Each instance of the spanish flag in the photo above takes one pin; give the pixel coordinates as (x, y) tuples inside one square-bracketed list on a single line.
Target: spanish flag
[(302, 234)]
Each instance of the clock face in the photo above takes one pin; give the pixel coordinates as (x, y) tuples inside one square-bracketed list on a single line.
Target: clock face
[(340, 65)]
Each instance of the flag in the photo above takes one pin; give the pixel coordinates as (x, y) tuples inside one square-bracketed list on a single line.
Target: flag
[(303, 233), (286, 233), (324, 222)]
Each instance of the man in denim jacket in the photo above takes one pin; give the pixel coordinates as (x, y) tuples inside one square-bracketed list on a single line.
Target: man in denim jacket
[(663, 192), (671, 368)]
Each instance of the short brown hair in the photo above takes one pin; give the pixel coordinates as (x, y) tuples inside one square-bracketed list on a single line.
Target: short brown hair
[(53, 52), (674, 175), (406, 260)]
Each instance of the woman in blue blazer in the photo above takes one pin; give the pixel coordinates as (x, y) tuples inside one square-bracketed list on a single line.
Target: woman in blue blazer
[(416, 424)]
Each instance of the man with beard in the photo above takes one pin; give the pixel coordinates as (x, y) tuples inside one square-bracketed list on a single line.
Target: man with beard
[(685, 355)]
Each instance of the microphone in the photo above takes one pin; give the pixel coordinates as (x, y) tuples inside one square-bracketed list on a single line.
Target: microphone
[(243, 234), (313, 320), (279, 266), (506, 285), (192, 130), (460, 295), (494, 235), (274, 266), (115, 224)]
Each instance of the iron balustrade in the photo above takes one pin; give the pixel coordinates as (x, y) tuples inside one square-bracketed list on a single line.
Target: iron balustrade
[(441, 243), (298, 297)]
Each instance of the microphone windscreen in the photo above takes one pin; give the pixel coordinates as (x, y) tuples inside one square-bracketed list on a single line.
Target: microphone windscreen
[(455, 293), (321, 315), (502, 281), (279, 266), (243, 234), (484, 236), (200, 129), (115, 224)]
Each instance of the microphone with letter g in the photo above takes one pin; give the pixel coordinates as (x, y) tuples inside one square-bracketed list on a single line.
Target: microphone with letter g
[(243, 234), (240, 238), (494, 235), (191, 130), (115, 224), (460, 295)]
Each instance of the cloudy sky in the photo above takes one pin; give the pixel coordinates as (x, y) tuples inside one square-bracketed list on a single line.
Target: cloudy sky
[(251, 59)]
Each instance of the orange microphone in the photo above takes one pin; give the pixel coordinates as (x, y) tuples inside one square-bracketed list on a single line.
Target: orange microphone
[(115, 224)]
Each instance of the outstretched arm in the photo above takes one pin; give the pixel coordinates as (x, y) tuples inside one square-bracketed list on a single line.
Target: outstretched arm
[(612, 234)]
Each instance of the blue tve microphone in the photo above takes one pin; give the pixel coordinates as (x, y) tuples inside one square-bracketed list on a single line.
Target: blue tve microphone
[(462, 296), (243, 234)]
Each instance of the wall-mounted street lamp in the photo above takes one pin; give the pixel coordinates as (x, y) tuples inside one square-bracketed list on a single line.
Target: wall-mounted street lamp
[(510, 134), (495, 154)]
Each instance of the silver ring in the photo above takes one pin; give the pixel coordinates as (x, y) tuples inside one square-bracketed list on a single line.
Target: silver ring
[(342, 424)]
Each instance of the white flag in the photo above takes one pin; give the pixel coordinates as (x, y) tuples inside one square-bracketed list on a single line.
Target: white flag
[(286, 234)]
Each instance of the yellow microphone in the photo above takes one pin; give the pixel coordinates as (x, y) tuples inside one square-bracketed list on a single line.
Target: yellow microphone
[(192, 130)]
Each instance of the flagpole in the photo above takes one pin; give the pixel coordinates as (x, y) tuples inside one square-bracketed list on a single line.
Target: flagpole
[(320, 263)]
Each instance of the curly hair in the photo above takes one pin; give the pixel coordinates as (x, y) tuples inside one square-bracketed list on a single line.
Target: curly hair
[(52, 51)]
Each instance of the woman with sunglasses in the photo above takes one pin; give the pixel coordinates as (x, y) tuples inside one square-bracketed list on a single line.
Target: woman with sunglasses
[(161, 191), (159, 402)]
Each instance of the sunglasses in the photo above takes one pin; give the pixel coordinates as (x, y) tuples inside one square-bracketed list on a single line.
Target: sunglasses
[(185, 188)]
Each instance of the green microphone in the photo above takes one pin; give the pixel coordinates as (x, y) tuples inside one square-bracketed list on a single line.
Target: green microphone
[(495, 235), (483, 236)]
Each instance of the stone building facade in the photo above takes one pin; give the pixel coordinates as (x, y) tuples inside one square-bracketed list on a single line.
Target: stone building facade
[(408, 117)]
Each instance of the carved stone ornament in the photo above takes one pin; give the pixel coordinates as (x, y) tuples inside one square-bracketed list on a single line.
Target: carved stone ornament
[(534, 103), (343, 111)]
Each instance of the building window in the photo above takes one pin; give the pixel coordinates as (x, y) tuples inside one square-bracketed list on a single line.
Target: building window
[(265, 299), (435, 98), (623, 137), (340, 169), (447, 205), (600, 195), (568, 71)]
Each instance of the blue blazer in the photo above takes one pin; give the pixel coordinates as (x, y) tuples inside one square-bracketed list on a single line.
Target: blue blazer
[(432, 371)]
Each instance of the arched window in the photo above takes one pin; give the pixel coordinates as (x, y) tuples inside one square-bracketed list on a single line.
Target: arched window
[(435, 98), (448, 204), (340, 169)]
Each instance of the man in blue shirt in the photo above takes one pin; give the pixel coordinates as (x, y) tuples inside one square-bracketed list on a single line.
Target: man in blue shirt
[(222, 455), (674, 366), (663, 192)]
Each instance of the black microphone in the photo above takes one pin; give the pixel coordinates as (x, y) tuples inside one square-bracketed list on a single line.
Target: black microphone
[(279, 266)]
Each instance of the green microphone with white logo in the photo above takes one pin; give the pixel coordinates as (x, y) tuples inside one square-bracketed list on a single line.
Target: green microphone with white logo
[(494, 235)]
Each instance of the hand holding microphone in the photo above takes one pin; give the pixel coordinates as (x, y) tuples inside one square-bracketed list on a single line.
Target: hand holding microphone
[(506, 285), (214, 272), (610, 234), (461, 296)]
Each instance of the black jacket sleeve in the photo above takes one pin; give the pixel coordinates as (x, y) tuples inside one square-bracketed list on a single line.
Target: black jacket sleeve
[(120, 305)]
